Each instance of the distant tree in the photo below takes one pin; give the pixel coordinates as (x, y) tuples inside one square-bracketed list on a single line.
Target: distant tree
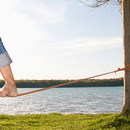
[(125, 9)]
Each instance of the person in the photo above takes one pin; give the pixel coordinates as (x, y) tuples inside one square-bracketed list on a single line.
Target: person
[(9, 89)]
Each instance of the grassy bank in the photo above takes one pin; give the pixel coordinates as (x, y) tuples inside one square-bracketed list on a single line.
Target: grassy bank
[(65, 122)]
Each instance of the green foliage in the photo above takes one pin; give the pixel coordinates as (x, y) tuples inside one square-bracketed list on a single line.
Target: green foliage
[(87, 83), (48, 83), (55, 121)]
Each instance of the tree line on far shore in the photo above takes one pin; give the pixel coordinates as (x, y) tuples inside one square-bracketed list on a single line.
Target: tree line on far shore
[(85, 83)]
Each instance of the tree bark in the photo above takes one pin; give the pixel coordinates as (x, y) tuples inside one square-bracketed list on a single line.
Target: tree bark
[(126, 49)]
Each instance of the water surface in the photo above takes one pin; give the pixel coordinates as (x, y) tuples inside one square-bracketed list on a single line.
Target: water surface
[(88, 100)]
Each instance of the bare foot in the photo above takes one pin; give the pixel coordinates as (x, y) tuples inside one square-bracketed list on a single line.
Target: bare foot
[(9, 91)]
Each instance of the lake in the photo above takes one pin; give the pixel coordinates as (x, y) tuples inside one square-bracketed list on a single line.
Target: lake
[(86, 100)]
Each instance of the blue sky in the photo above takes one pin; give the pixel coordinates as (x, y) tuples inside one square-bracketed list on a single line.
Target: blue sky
[(49, 39)]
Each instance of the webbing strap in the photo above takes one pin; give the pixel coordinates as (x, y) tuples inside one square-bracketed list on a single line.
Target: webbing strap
[(127, 67)]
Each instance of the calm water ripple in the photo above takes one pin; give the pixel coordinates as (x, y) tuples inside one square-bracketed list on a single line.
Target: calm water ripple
[(65, 100)]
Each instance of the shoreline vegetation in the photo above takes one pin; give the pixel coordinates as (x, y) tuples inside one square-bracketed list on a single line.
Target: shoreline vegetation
[(56, 121), (48, 83)]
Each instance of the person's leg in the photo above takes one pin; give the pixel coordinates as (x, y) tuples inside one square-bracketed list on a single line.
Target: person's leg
[(9, 89)]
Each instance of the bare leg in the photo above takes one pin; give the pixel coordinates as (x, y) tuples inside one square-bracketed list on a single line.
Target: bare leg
[(9, 89)]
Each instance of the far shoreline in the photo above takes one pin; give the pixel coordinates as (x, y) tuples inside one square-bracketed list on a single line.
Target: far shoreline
[(114, 82)]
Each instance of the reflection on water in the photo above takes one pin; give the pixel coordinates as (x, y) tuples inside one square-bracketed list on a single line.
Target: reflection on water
[(65, 100)]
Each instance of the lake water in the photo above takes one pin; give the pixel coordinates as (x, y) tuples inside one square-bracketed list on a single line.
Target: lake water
[(87, 100)]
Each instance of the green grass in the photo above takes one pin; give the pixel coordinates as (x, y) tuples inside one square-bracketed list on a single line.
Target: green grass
[(55, 121)]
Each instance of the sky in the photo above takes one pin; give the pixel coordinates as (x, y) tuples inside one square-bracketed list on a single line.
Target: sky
[(61, 39)]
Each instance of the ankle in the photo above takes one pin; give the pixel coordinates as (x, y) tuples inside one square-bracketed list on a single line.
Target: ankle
[(10, 83)]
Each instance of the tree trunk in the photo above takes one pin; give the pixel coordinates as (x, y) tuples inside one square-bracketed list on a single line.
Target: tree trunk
[(126, 49)]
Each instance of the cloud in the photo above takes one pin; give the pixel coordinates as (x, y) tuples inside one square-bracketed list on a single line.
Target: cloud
[(90, 44), (41, 12), (69, 53), (23, 22)]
